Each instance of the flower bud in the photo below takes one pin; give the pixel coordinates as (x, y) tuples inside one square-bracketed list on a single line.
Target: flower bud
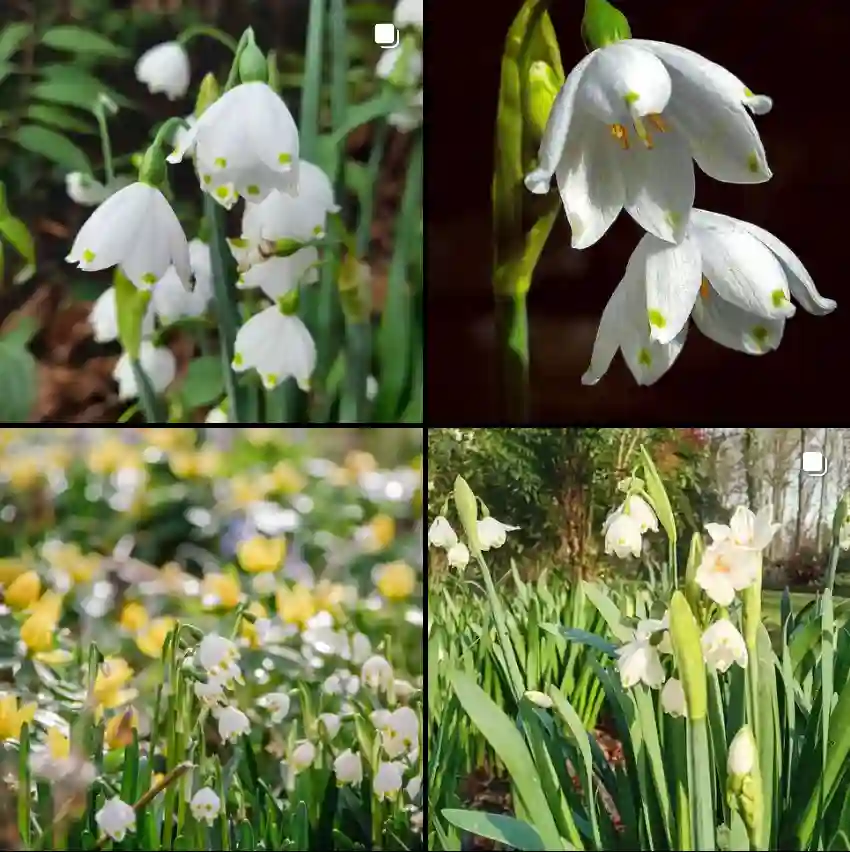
[(252, 62), (467, 510), (742, 753), (543, 88), (673, 698), (603, 24), (208, 93), (539, 698), (744, 786), (685, 635)]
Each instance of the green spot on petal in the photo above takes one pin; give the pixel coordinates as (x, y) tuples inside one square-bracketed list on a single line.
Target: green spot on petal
[(88, 256), (207, 178), (239, 242), (760, 334), (673, 218), (645, 358), (748, 93), (253, 189), (753, 163), (632, 97), (283, 159), (222, 192), (270, 380), (656, 318), (220, 162), (238, 360), (149, 278), (778, 298), (318, 230)]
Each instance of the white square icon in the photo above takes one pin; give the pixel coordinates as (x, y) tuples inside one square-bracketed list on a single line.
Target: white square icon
[(814, 462), (386, 35)]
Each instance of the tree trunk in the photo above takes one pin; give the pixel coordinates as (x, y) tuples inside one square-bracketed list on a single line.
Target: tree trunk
[(798, 532)]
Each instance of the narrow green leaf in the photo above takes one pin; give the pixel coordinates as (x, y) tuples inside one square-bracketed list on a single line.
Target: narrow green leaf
[(57, 117), (12, 37), (503, 829), (389, 101), (81, 40), (204, 382), (53, 146)]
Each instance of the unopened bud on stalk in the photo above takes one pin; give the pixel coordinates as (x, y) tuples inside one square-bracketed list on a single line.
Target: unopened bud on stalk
[(287, 247), (467, 510), (539, 698), (744, 787), (208, 93), (253, 67), (289, 303), (543, 88), (751, 599), (695, 553), (685, 635), (603, 24)]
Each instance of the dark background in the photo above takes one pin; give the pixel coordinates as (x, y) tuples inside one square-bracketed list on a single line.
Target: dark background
[(795, 52)]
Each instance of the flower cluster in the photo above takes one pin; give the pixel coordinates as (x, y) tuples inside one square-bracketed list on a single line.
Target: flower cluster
[(624, 132), (491, 534)]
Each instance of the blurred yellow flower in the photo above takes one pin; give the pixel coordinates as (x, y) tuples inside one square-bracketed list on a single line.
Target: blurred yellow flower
[(328, 595), (184, 464), (39, 630), (151, 640), (106, 456), (245, 490), (381, 532), (295, 605), (134, 617), (22, 472), (264, 435), (395, 580), (259, 554), (69, 559), (358, 462), (169, 440), (285, 478), (224, 589), (58, 457), (24, 591), (12, 567), (58, 744), (249, 630), (119, 729), (12, 717), (112, 677)]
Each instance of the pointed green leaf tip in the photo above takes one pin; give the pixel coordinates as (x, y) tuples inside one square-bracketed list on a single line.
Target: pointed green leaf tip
[(604, 24), (253, 67)]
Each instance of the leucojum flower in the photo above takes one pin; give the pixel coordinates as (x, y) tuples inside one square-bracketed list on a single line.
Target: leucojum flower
[(734, 279), (624, 527), (625, 128)]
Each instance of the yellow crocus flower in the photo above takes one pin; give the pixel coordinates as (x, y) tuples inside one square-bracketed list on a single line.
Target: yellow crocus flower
[(23, 473), (39, 629), (224, 588), (249, 630), (106, 456), (295, 605), (12, 717), (395, 580), (24, 591), (245, 490), (285, 478), (151, 640), (259, 554), (119, 729), (382, 532), (357, 462), (58, 744), (112, 677), (134, 617), (12, 567)]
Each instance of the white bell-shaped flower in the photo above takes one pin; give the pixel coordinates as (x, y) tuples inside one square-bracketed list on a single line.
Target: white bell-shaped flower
[(408, 119), (171, 301), (277, 346), (232, 723), (673, 698), (622, 536), (722, 645), (401, 65), (158, 364), (408, 13), (104, 318), (348, 768), (116, 818), (441, 534), (205, 805), (165, 68), (278, 276), (746, 529), (85, 190), (625, 128), (300, 217), (245, 144), (734, 278), (137, 230)]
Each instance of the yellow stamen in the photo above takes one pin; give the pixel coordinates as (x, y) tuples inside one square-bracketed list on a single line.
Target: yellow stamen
[(621, 134), (657, 122), (703, 288)]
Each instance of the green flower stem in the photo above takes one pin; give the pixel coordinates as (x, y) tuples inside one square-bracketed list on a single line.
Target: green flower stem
[(105, 144), (151, 406), (311, 91), (203, 30), (227, 312)]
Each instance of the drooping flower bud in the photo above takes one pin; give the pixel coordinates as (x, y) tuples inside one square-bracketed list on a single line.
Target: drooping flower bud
[(685, 635), (467, 510)]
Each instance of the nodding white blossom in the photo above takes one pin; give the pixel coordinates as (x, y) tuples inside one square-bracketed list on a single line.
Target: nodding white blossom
[(441, 534), (722, 645), (165, 69), (400, 732), (458, 555), (726, 569), (492, 533), (348, 768), (377, 674), (388, 780), (205, 805), (171, 301), (232, 723), (104, 318), (277, 345), (622, 537), (116, 818), (401, 65), (638, 510), (625, 128), (219, 656), (640, 661), (137, 230), (330, 723), (408, 13), (85, 190), (278, 704), (673, 698), (734, 279), (414, 787), (245, 144), (158, 364), (745, 529), (278, 276), (212, 692), (303, 756), (361, 649)]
